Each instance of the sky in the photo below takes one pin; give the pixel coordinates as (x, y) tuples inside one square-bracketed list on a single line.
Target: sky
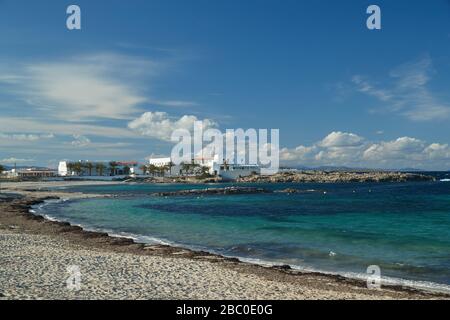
[(340, 94)]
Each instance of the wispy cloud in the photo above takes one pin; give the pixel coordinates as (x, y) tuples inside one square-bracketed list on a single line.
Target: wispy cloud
[(44, 127), (408, 93), (15, 160), (80, 141), (26, 136), (174, 103), (88, 104), (81, 88)]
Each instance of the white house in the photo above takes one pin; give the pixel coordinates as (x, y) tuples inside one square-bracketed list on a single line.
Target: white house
[(160, 162), (62, 169)]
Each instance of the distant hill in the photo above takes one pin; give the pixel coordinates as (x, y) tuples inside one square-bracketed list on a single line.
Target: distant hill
[(23, 167), (350, 169)]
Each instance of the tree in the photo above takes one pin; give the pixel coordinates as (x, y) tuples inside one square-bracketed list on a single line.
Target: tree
[(204, 172), (126, 170), (100, 167), (152, 169), (2, 169), (70, 168), (113, 166), (144, 169), (185, 167), (164, 169), (89, 166), (170, 166), (78, 168)]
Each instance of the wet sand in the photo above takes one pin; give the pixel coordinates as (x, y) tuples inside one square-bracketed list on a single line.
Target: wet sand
[(35, 253)]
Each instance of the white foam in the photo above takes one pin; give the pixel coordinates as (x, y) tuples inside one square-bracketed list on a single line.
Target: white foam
[(387, 281)]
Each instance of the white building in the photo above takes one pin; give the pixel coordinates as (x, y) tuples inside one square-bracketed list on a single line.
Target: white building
[(216, 167), (166, 162), (160, 162), (62, 169), (228, 171), (234, 171)]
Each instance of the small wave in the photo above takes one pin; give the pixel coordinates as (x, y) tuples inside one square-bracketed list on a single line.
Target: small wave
[(445, 180), (50, 218), (389, 281)]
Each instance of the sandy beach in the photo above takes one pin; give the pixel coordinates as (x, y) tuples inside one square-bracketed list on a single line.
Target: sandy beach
[(35, 254)]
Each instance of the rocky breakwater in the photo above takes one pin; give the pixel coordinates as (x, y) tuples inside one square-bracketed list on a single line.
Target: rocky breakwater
[(337, 177), (212, 191)]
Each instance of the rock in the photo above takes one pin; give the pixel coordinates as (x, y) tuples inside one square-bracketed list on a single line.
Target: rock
[(283, 267), (288, 190), (336, 177), (213, 191)]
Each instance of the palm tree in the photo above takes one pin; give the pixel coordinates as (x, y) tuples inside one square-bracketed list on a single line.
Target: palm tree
[(170, 166), (205, 171), (78, 168), (185, 167), (70, 168), (89, 166), (113, 166), (164, 169), (144, 169), (126, 170), (100, 167), (152, 169)]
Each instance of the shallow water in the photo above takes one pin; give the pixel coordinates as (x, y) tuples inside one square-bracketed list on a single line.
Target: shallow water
[(341, 228)]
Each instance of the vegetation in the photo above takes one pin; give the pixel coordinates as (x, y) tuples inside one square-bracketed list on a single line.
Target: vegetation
[(100, 167), (78, 168), (190, 168), (89, 166), (113, 167), (144, 169), (2, 169)]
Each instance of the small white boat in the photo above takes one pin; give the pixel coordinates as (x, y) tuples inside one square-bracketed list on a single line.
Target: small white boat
[(445, 180)]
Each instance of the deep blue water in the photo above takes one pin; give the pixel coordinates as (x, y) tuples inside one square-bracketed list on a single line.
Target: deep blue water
[(343, 228)]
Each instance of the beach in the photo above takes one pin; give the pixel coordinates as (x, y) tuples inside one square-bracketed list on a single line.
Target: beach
[(36, 253)]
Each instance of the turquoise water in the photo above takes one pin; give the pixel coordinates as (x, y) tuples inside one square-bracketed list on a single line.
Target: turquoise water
[(342, 228)]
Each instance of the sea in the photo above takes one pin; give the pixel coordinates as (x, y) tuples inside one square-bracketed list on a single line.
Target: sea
[(339, 228)]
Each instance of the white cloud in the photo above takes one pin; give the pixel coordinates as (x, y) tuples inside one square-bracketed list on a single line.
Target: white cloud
[(346, 149), (84, 88), (409, 94), (15, 160), (436, 151), (402, 148), (26, 136), (341, 139), (365, 87), (83, 97), (37, 126), (174, 103), (159, 125), (80, 141), (87, 88)]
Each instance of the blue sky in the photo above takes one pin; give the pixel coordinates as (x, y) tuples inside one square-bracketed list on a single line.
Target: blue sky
[(339, 93)]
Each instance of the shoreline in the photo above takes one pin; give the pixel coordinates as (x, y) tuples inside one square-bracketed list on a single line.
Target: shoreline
[(17, 213), (199, 252)]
